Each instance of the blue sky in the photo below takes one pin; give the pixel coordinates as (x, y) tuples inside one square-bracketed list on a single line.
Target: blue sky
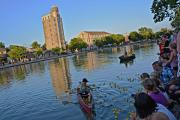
[(20, 21)]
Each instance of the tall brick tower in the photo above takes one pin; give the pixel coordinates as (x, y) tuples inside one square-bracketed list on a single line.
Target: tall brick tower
[(53, 29)]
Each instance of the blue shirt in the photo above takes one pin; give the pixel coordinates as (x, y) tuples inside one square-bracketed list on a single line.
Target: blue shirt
[(166, 75)]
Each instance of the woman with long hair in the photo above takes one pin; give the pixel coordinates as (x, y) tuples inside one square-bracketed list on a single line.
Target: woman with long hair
[(148, 109)]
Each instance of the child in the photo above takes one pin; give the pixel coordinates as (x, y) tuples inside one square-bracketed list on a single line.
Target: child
[(166, 74), (154, 93), (144, 76)]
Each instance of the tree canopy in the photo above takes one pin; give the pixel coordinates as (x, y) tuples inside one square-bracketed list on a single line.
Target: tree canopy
[(2, 45), (165, 9), (114, 39), (35, 45), (145, 32), (170, 9), (135, 36), (43, 46), (17, 52), (56, 50), (77, 43), (176, 22)]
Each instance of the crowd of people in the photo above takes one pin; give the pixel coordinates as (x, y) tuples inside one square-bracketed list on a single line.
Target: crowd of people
[(162, 86)]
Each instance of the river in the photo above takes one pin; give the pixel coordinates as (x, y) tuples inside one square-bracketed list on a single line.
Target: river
[(46, 90)]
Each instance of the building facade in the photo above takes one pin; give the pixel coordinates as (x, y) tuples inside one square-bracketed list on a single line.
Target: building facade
[(3, 51), (53, 29), (90, 36)]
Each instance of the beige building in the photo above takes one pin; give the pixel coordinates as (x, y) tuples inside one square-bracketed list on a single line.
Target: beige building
[(53, 29), (3, 51), (90, 36)]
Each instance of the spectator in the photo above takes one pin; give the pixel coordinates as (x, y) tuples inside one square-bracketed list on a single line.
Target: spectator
[(148, 109), (155, 94)]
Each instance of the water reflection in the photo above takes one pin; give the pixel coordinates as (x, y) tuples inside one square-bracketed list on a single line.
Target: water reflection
[(127, 63), (60, 75), (113, 83), (91, 60), (20, 72)]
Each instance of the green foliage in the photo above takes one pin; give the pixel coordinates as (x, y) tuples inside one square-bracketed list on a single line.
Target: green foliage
[(77, 43), (135, 36), (146, 33), (2, 45), (39, 51), (163, 31), (114, 39), (118, 38), (43, 46), (176, 22), (99, 42), (165, 9), (56, 50), (17, 52), (35, 45)]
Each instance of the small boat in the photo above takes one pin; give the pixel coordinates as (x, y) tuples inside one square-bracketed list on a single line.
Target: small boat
[(128, 58), (86, 106)]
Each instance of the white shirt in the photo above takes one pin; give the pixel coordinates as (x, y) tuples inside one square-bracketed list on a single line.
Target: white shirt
[(164, 110)]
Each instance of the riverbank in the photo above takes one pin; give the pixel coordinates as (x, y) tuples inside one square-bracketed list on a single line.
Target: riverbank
[(66, 55)]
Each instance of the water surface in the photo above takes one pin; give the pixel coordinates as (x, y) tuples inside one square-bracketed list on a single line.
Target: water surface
[(46, 90)]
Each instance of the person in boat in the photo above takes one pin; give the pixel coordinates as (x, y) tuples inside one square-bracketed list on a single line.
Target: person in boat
[(84, 88), (125, 54)]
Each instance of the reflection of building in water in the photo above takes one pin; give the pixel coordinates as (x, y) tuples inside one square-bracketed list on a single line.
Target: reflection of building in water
[(114, 50), (60, 75), (90, 61)]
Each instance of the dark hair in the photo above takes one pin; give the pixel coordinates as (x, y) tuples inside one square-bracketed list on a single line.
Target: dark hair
[(156, 62), (157, 82), (144, 75), (173, 45), (144, 105), (149, 84), (84, 80), (164, 56)]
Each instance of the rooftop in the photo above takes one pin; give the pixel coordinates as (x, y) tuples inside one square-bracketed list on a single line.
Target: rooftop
[(96, 32)]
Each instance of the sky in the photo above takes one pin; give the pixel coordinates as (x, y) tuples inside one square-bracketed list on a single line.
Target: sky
[(20, 20)]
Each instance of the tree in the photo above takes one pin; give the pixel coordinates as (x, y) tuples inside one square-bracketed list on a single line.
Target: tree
[(109, 40), (135, 36), (2, 45), (77, 43), (114, 39), (163, 31), (38, 52), (17, 52), (146, 33), (56, 50), (176, 22), (35, 45), (118, 38), (99, 42), (165, 9), (43, 46)]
